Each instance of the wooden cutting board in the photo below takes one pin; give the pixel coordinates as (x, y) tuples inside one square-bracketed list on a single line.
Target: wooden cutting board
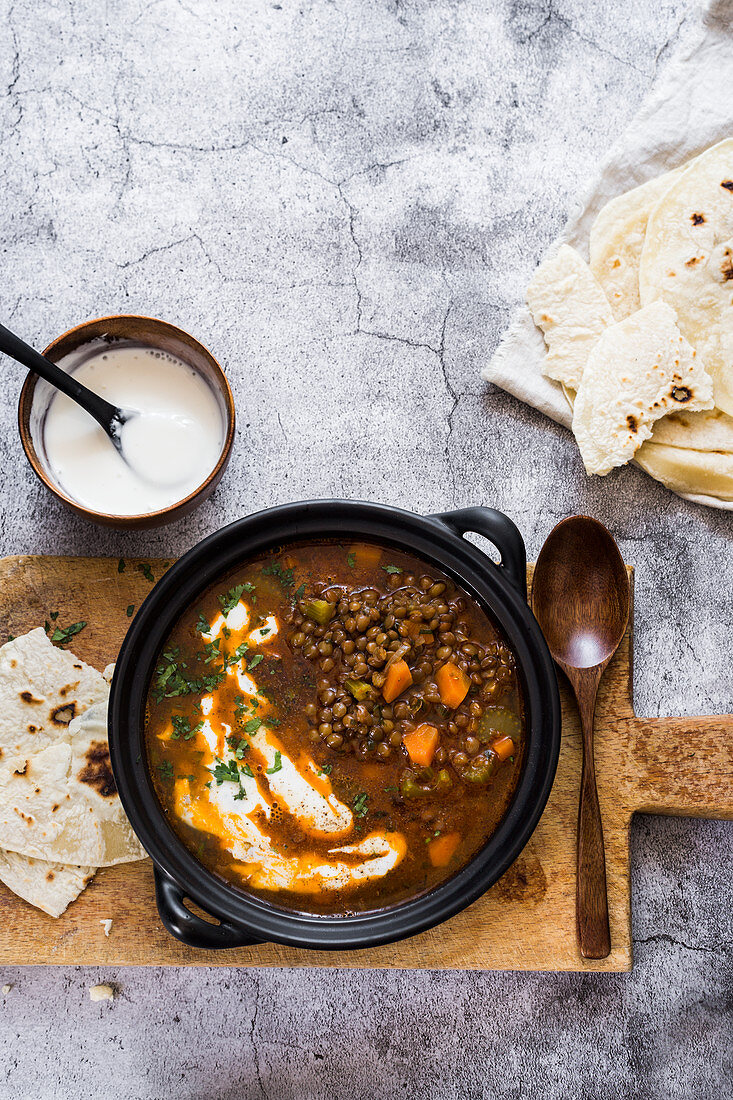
[(525, 922)]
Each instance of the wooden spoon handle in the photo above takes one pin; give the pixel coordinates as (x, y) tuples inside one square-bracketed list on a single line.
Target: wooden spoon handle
[(594, 935)]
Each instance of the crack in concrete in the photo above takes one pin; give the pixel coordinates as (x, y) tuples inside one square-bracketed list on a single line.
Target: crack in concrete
[(11, 93), (438, 352), (663, 937), (162, 248), (454, 396), (552, 15), (280, 424), (359, 257), (383, 166), (255, 1051)]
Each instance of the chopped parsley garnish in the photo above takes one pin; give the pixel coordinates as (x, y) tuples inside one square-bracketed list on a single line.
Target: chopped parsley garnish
[(231, 599), (238, 745), (121, 565), (285, 576), (202, 625), (252, 725), (166, 770), (130, 610), (207, 683), (255, 661), (360, 804), (211, 649), (391, 568), (248, 771), (299, 593), (326, 769), (238, 655), (171, 680), (62, 635), (277, 765), (54, 616), (226, 773), (146, 571), (351, 560), (182, 728)]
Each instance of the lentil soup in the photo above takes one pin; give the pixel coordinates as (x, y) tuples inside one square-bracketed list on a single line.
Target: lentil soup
[(336, 728)]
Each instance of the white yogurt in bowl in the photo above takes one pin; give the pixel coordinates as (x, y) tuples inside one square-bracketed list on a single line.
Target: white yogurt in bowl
[(166, 453)]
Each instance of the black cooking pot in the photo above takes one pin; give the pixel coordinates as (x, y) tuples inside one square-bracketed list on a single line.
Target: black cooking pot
[(244, 918)]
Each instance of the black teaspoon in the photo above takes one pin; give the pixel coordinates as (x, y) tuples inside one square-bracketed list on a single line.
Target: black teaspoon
[(109, 417)]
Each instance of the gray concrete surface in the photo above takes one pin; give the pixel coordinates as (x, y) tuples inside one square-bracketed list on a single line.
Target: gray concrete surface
[(344, 200)]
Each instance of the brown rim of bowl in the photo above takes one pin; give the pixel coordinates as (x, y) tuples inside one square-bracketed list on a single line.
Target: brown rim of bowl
[(158, 334)]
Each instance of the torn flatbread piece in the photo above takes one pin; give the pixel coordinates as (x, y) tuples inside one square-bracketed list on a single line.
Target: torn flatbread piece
[(640, 370), (568, 304), (617, 239), (63, 805), (687, 261), (42, 689), (49, 886)]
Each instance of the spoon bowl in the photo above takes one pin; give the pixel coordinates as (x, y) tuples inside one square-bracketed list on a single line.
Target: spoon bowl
[(580, 594)]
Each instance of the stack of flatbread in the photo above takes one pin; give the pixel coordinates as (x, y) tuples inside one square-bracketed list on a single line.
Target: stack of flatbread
[(641, 337), (60, 814)]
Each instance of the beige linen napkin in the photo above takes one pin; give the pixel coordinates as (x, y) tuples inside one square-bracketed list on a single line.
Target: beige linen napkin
[(689, 108)]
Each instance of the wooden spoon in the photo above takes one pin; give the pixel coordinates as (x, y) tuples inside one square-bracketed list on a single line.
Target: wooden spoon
[(580, 597)]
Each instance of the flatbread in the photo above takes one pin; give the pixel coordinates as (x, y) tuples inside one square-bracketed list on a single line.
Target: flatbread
[(617, 239), (42, 688), (639, 370), (687, 261), (568, 304), (698, 474), (49, 886), (63, 805)]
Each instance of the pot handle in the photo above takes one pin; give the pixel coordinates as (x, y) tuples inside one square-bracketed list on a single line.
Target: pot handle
[(500, 530), (186, 926)]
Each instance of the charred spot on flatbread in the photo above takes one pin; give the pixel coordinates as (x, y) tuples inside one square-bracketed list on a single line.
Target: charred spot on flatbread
[(67, 688), (97, 772), (632, 423), (681, 394), (727, 184), (50, 876), (62, 715), (726, 268), (28, 697), (692, 261), (23, 770), (697, 219)]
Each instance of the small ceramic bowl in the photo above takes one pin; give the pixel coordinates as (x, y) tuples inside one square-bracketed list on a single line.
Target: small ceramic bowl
[(35, 398)]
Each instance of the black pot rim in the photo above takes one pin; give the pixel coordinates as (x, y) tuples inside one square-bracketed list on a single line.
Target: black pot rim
[(434, 538)]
